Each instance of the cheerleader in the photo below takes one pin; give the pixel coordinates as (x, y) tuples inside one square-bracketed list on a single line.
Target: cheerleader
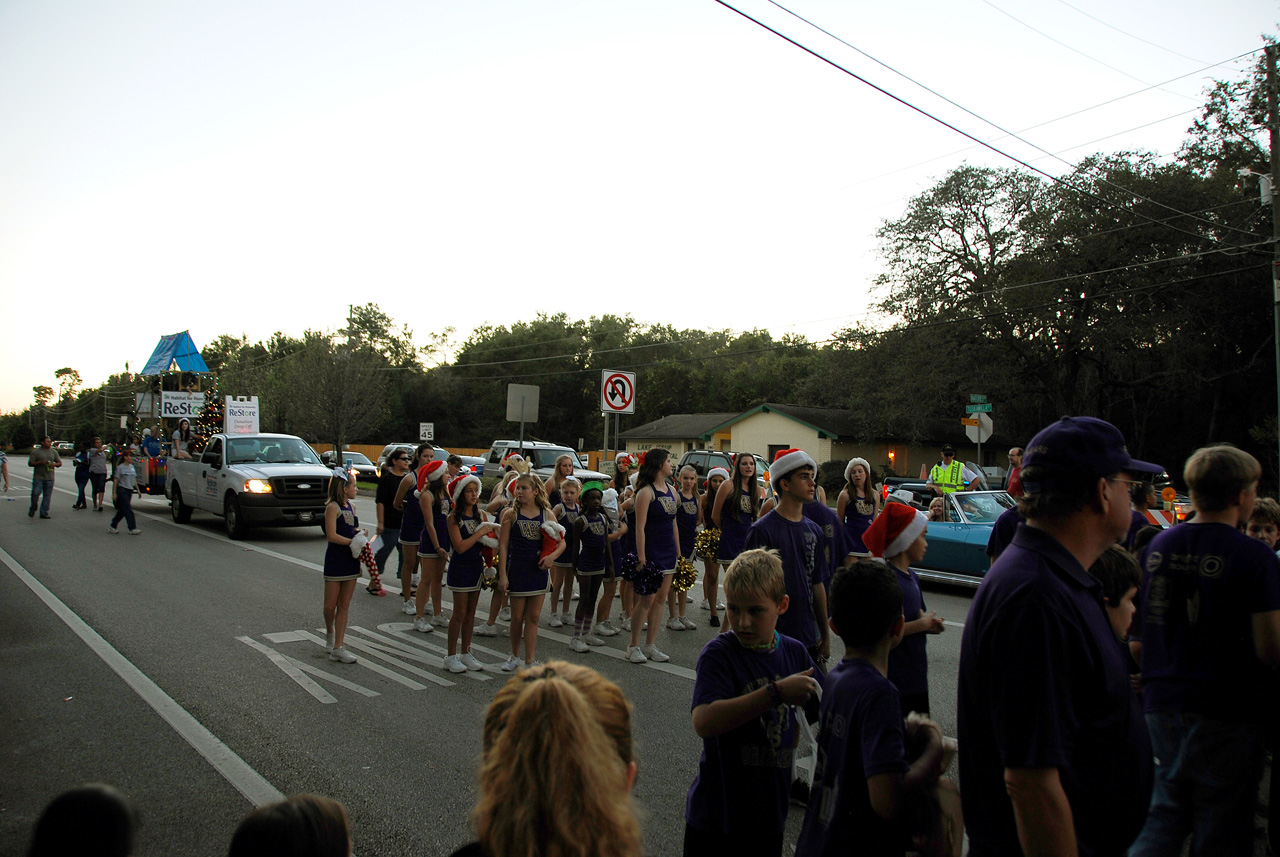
[(523, 571), (411, 525), (499, 500), (688, 517), (341, 562), (604, 626), (711, 576), (563, 471), (857, 506), (592, 562), (433, 546), (567, 511), (468, 526), (622, 464), (657, 546), (736, 508)]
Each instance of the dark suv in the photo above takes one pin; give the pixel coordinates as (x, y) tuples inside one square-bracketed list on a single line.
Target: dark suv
[(703, 460)]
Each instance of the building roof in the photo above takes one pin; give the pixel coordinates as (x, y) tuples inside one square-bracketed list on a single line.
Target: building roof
[(678, 426), (835, 423)]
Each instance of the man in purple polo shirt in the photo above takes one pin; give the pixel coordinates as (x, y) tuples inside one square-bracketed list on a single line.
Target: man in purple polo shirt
[(1056, 758)]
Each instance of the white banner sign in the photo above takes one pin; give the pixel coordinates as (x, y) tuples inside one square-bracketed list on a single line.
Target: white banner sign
[(242, 415), (177, 406)]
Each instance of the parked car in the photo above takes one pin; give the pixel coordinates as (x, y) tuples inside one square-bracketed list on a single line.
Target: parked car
[(921, 493), (475, 462), (957, 551), (541, 457), (703, 460), (359, 462), (65, 447)]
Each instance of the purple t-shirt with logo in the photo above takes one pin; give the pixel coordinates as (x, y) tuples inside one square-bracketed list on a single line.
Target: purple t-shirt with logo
[(801, 545), (908, 663), (860, 735), (1202, 583), (744, 776)]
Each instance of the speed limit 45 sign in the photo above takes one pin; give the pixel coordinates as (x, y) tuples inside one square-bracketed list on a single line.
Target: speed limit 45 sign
[(617, 392)]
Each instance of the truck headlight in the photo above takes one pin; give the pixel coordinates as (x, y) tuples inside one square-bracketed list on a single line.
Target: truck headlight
[(257, 486)]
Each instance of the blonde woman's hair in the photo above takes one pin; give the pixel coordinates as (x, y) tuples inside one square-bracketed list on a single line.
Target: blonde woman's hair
[(553, 778), (757, 571), (539, 490)]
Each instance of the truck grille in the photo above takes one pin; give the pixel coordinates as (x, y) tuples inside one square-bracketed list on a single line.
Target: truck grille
[(290, 488)]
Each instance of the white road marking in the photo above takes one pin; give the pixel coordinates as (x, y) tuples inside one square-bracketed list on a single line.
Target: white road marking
[(284, 637), (395, 645), (235, 770), (378, 668), (291, 671), (377, 650)]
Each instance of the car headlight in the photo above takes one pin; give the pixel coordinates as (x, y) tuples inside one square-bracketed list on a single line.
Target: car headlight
[(257, 486)]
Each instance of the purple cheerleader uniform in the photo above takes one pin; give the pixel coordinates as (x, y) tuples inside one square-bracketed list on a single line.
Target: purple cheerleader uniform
[(411, 523), (339, 564), (465, 567), (592, 546), (659, 539), (440, 522), (568, 521), (687, 523), (858, 515), (524, 549), (733, 528)]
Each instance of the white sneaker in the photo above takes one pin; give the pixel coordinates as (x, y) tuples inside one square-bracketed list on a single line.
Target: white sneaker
[(626, 624), (653, 653), (635, 655), (328, 641), (605, 629), (440, 620), (556, 621), (135, 532), (576, 596), (566, 618), (504, 615), (706, 604), (342, 655), (454, 664), (579, 645), (422, 625), (470, 661), (112, 530), (592, 640), (688, 599), (720, 605), (409, 607), (416, 579), (689, 624), (485, 630), (675, 624), (512, 664)]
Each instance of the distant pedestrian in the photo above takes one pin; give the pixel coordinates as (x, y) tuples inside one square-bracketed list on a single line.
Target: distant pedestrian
[(1056, 756), (126, 485), (93, 819), (81, 464), (1013, 480), (857, 505), (43, 460), (341, 561), (97, 457), (4, 464)]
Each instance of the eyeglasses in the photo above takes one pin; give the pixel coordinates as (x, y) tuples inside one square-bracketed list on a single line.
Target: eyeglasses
[(1128, 482)]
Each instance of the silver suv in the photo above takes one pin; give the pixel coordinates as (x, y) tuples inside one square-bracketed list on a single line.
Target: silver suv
[(541, 457)]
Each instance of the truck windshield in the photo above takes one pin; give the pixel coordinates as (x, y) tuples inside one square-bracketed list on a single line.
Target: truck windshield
[(269, 450)]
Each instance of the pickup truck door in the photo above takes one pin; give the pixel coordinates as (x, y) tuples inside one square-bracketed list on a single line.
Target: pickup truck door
[(213, 476)]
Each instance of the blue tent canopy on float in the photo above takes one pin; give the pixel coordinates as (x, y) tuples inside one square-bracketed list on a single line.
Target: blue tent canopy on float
[(175, 352)]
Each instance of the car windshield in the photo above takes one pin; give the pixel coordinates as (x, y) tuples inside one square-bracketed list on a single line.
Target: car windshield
[(984, 507), (546, 456), (270, 450), (355, 458)]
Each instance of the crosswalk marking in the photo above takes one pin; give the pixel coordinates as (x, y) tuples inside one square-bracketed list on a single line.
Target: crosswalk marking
[(395, 645), (378, 668), (291, 670)]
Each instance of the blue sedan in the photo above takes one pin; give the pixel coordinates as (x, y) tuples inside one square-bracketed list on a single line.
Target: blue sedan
[(957, 550)]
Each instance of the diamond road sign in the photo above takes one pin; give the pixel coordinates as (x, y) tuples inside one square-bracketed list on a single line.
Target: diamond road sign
[(977, 409)]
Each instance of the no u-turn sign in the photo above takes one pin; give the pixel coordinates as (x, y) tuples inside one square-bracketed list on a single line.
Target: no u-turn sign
[(617, 392)]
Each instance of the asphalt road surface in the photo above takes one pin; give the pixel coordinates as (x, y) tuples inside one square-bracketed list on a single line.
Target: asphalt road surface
[(188, 671)]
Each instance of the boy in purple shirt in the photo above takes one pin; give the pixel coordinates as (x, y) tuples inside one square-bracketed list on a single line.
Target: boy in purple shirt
[(1210, 628), (748, 681), (864, 783)]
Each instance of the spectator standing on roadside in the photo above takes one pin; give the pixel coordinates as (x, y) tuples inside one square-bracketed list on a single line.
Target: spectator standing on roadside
[(126, 484), (1013, 480), (1142, 496), (857, 505), (950, 475), (4, 464), (389, 517), (1210, 635), (1056, 757), (81, 464), (43, 460), (97, 458)]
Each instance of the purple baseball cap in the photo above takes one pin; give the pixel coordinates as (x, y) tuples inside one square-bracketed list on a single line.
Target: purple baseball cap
[(1083, 446)]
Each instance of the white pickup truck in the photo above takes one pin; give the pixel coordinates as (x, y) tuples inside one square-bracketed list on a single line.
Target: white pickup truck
[(264, 480)]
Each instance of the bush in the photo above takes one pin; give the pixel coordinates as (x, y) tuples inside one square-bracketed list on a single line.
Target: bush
[(831, 478), (23, 437)]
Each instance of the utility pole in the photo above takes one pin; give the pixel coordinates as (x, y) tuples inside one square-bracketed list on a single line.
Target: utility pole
[(1273, 125)]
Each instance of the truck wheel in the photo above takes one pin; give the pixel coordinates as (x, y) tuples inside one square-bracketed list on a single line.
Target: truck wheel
[(181, 512), (237, 528)]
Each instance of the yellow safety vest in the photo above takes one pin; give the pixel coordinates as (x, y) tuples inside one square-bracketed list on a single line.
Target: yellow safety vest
[(948, 479)]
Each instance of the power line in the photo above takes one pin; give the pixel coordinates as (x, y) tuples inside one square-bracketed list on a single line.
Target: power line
[(955, 104), (1127, 33)]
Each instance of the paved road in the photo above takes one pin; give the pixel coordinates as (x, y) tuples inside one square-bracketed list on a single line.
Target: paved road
[(188, 670)]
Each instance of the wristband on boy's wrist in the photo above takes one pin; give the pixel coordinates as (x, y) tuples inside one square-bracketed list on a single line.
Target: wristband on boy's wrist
[(774, 694)]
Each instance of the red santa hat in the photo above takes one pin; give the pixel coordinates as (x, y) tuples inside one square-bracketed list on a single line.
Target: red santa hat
[(459, 484), (894, 529), (431, 471), (552, 534), (788, 460)]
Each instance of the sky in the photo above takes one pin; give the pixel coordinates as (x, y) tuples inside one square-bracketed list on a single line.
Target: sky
[(247, 167)]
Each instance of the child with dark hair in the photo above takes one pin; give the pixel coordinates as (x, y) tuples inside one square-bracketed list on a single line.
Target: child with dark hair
[(864, 790), (92, 819), (1264, 521), (300, 826), (1117, 570)]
